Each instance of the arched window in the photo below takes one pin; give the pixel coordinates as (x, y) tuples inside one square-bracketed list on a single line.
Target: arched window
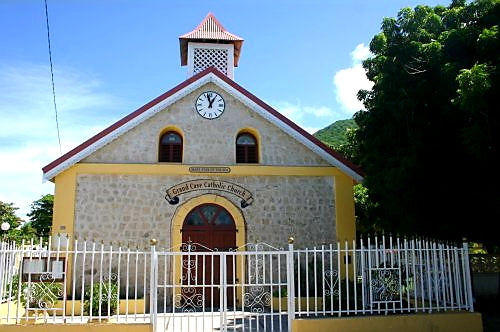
[(246, 149), (170, 147)]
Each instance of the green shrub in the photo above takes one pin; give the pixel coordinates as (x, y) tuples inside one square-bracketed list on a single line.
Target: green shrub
[(39, 294), (109, 296), (284, 292)]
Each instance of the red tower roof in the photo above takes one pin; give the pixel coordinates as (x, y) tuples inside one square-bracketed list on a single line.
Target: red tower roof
[(208, 31)]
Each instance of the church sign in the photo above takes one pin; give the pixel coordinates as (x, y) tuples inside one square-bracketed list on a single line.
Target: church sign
[(209, 169), (172, 193)]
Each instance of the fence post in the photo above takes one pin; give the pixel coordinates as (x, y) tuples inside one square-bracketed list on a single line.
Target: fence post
[(3, 254), (467, 275), (153, 284), (223, 290), (290, 283)]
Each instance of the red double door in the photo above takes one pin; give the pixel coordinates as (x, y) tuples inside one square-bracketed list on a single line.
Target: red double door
[(208, 228)]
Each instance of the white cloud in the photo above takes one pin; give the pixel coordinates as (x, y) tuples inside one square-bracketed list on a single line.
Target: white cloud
[(322, 111), (312, 130), (310, 118), (28, 136), (360, 53), (350, 80), (298, 113)]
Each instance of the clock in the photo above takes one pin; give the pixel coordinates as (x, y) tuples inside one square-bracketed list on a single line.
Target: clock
[(210, 105)]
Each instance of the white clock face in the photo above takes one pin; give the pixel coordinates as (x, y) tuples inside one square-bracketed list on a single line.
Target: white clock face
[(210, 105)]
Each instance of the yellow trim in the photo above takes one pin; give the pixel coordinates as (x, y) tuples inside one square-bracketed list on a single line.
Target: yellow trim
[(438, 322), (166, 130), (181, 214), (172, 128), (183, 210), (42, 326), (64, 202), (345, 219), (183, 169), (344, 209), (255, 134)]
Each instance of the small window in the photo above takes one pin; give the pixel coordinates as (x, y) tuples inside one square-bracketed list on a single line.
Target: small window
[(246, 149), (170, 148)]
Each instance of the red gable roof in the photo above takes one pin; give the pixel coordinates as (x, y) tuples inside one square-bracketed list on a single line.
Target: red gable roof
[(179, 87)]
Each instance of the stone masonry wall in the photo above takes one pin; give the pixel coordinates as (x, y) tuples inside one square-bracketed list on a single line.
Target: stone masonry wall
[(206, 141), (132, 209)]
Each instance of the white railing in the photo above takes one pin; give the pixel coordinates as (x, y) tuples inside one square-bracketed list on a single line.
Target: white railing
[(256, 287), (382, 275), (54, 283), (201, 289)]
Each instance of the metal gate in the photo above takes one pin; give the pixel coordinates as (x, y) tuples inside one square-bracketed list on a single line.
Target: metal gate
[(199, 289)]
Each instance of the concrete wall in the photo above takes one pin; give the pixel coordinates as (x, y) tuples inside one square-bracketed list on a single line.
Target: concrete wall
[(439, 322)]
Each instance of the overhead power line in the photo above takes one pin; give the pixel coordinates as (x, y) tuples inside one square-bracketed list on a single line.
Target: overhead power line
[(52, 76)]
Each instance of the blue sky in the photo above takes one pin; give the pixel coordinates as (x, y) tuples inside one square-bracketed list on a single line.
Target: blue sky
[(111, 57)]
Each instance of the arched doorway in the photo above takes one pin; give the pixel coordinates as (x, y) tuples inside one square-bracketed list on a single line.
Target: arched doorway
[(208, 227)]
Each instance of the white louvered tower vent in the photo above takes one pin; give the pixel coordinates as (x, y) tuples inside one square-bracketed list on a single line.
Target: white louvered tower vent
[(207, 57), (204, 55)]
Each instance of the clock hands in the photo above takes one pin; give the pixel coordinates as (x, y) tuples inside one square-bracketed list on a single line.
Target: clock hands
[(210, 101), (205, 105)]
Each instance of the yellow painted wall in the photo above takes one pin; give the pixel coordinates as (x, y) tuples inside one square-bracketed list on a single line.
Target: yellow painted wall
[(73, 308), (438, 322), (77, 328), (10, 309), (64, 202), (344, 208), (134, 307)]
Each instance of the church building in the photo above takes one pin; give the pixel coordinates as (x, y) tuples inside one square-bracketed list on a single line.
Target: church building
[(207, 162)]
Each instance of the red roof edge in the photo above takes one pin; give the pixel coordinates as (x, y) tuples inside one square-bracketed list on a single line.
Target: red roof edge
[(187, 82)]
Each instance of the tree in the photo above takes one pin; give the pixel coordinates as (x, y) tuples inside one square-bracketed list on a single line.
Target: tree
[(429, 140), (18, 230), (350, 148), (41, 215), (8, 214), (24, 232)]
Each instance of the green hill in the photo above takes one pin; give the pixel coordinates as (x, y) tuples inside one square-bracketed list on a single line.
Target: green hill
[(335, 134)]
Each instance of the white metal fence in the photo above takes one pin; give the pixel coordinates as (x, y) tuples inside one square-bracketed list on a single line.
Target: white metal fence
[(54, 283), (254, 288)]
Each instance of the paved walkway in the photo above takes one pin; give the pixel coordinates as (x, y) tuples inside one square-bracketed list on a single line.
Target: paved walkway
[(212, 321)]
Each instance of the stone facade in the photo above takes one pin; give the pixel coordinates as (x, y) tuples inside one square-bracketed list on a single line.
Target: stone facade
[(206, 142), (131, 209)]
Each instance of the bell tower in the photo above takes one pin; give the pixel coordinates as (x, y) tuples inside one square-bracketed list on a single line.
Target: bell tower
[(210, 45)]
